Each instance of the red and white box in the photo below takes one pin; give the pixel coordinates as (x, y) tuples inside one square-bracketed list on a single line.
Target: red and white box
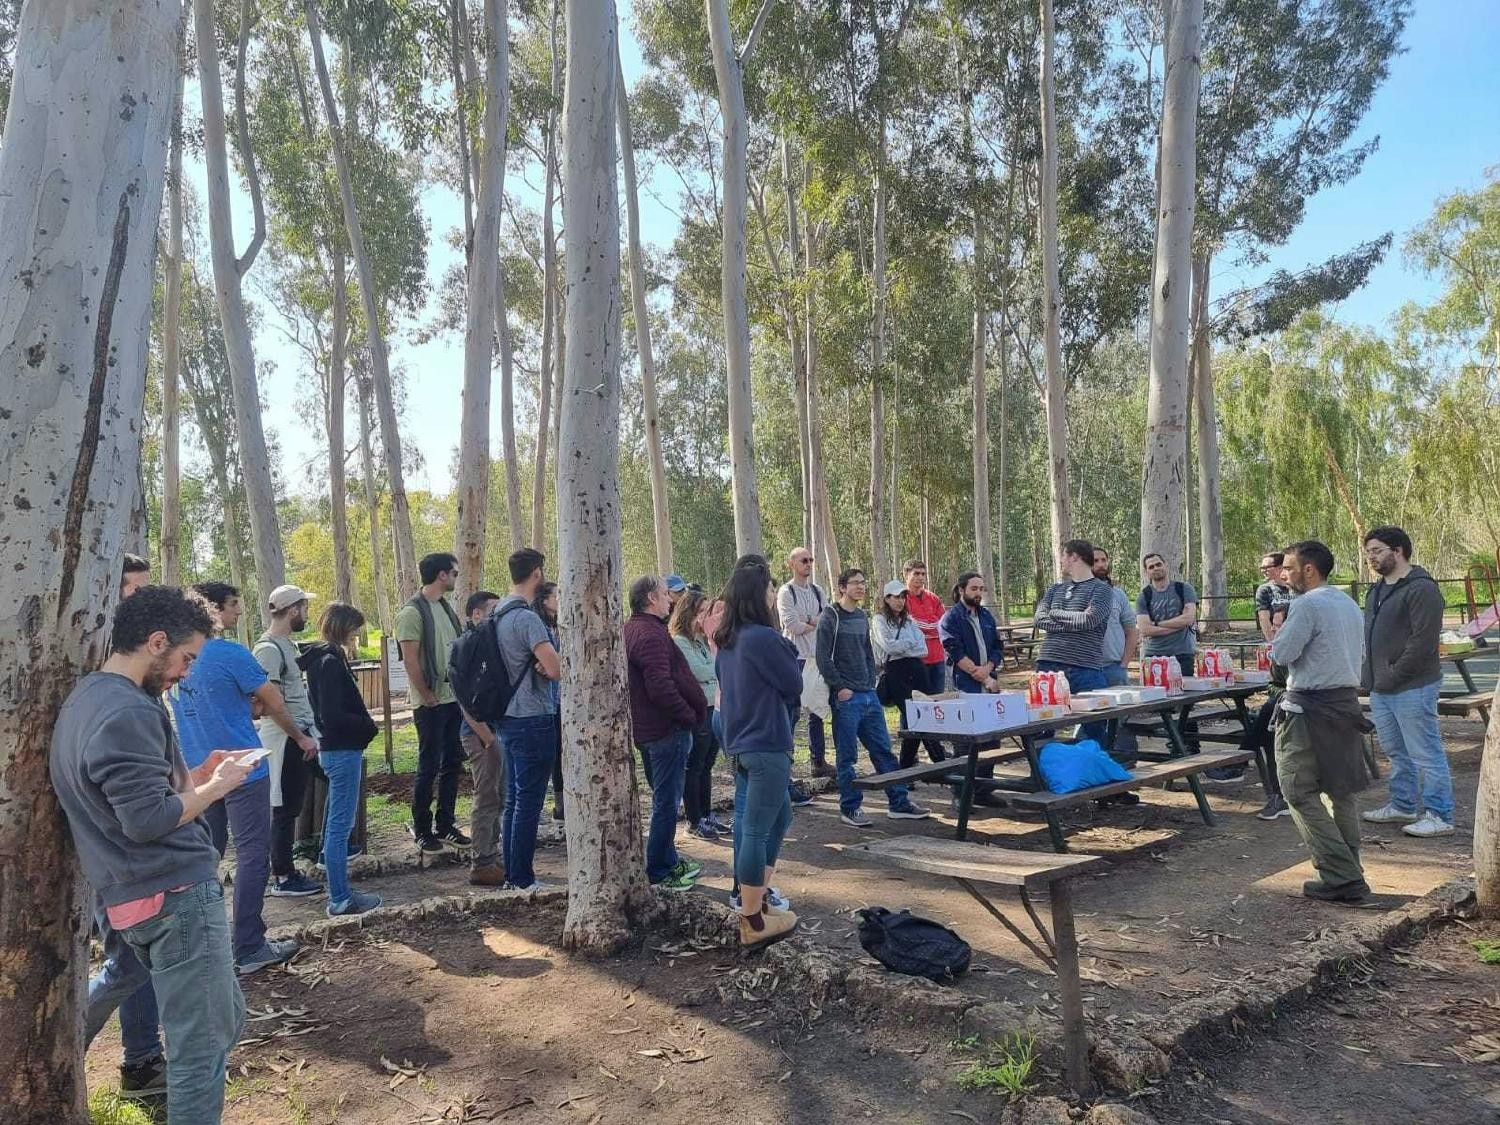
[(969, 713), (1215, 663), (1162, 672), (1049, 689), (1263, 658)]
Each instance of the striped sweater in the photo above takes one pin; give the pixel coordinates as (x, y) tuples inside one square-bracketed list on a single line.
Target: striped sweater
[(1074, 616)]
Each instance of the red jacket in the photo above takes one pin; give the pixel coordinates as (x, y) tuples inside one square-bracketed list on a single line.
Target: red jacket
[(927, 610), (664, 696)]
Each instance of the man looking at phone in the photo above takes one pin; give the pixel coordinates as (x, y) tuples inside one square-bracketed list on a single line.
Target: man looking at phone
[(135, 812)]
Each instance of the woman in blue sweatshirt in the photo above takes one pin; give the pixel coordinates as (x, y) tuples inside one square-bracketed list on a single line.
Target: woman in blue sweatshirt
[(759, 684)]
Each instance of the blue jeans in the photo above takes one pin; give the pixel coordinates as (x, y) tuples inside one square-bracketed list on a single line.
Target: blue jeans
[(1081, 679), (815, 738), (1407, 722), (668, 757), (187, 949), (123, 982), (343, 770), (762, 814), (530, 745), (1126, 746), (861, 718), (245, 813)]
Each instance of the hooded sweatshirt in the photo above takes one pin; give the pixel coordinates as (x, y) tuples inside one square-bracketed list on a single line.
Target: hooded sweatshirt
[(1402, 623), (334, 696)]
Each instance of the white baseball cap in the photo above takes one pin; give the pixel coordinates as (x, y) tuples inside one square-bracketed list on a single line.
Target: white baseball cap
[(284, 597), (894, 587)]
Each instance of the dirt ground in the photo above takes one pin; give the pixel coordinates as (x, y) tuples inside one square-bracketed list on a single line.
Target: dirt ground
[(497, 1013), (1396, 1044)]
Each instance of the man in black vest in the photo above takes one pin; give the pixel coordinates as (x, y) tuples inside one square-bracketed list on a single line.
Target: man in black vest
[(426, 628)]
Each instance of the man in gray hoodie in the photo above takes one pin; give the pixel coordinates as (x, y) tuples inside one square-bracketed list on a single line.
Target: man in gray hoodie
[(1403, 617), (134, 811)]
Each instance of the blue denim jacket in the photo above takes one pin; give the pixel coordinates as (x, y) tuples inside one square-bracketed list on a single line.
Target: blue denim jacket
[(958, 640)]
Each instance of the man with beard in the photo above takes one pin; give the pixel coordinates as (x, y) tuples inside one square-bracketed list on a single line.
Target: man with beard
[(291, 767), (1319, 725), (135, 813), (1403, 617)]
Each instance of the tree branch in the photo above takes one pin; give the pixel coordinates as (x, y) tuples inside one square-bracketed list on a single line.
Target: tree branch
[(242, 126), (754, 37)]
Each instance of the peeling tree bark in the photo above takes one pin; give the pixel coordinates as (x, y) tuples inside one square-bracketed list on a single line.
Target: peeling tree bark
[(550, 358), (729, 72), (378, 546), (338, 481), (171, 365), (81, 177), (482, 310), (229, 274), (608, 897), (1055, 396), (1487, 818), (879, 554), (406, 553), (1164, 476), (661, 517), (1210, 503)]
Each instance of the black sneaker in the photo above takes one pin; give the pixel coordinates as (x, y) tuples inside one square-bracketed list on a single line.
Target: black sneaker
[(1345, 892), (455, 837), (429, 843), (799, 794), (144, 1080), (1224, 775), (1275, 806)]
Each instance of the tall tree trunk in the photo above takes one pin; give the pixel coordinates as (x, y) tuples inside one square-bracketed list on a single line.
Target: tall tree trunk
[(458, 27), (1056, 379), (372, 503), (482, 311), (551, 361), (879, 556), (406, 551), (73, 385), (1164, 477), (1002, 571), (229, 273), (508, 414), (794, 344), (608, 897), (826, 550), (1487, 818), (1210, 504), (338, 485), (729, 73), (984, 560), (660, 506), (171, 373)]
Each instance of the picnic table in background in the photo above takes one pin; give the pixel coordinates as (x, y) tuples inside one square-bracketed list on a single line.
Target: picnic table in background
[(1472, 700), (1182, 758)]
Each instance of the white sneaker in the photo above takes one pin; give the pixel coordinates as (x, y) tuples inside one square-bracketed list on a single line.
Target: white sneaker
[(773, 896), (1388, 814), (1430, 824)]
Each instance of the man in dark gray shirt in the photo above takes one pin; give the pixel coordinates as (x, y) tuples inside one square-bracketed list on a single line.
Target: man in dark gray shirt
[(134, 812), (1074, 614), (847, 664)]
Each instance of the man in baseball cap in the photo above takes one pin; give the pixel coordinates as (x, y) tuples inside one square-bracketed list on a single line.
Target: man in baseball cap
[(676, 586), (291, 764)]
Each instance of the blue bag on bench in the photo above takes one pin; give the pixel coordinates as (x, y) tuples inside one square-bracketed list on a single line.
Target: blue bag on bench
[(1068, 767)]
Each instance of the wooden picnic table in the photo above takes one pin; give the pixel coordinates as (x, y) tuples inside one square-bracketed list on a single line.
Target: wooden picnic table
[(1182, 758), (1469, 701)]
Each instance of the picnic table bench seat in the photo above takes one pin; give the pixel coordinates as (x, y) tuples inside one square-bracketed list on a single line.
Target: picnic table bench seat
[(969, 863), (1462, 706), (1147, 773), (947, 769)]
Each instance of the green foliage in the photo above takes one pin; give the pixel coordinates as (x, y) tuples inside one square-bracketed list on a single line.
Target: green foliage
[(106, 1107), (1488, 950), (1002, 1067)]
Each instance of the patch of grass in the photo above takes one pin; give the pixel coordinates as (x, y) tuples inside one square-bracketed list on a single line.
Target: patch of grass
[(106, 1107), (1488, 950), (1004, 1067)]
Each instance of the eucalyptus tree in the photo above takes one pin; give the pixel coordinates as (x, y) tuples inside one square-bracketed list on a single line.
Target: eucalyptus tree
[(1164, 473), (229, 271), (73, 388), (608, 896)]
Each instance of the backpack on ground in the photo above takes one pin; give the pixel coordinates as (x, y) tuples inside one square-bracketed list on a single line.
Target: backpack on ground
[(477, 673), (918, 947)]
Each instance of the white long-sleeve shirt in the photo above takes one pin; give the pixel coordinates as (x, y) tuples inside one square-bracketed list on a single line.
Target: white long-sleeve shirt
[(891, 643)]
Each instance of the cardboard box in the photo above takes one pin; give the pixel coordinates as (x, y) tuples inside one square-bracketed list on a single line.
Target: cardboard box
[(1125, 696), (1048, 713), (1087, 701), (1249, 676), (1205, 683), (968, 714)]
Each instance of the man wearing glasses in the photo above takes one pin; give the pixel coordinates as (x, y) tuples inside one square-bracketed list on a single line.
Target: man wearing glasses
[(1273, 596), (1403, 617), (799, 605)]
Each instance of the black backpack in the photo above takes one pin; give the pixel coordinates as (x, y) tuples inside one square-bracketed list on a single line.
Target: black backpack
[(915, 946), (477, 672)]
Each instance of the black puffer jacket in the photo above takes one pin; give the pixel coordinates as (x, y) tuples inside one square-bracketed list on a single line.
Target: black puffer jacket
[(343, 718)]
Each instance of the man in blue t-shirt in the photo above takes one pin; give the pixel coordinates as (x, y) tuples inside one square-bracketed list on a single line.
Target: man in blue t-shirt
[(213, 707), (1167, 614)]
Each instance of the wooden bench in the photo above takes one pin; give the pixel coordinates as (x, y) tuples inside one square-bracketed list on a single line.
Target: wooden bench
[(1148, 773), (969, 863), (948, 769), (1463, 706)]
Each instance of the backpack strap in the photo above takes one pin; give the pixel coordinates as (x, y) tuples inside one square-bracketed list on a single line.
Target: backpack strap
[(428, 647)]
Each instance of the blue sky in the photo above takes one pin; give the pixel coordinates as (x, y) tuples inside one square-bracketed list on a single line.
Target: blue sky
[(1439, 131)]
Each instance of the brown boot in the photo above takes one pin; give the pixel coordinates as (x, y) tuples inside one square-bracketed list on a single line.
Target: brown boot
[(489, 875), (773, 927)]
